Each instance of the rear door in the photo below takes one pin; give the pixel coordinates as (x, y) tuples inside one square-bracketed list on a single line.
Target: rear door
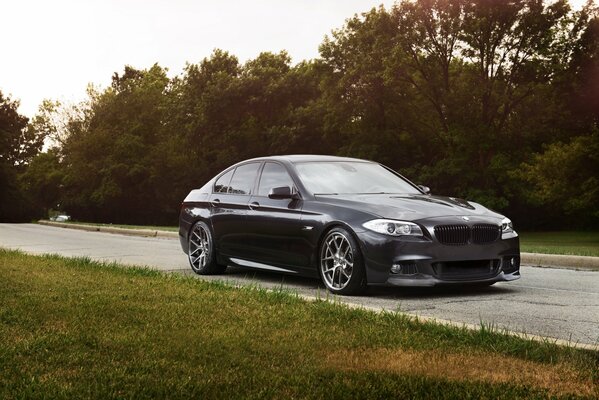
[(275, 229), (229, 206)]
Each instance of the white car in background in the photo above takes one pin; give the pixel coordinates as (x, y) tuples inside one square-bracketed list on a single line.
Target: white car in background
[(61, 218)]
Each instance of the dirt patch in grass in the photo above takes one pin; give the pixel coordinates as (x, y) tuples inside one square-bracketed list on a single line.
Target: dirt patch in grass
[(558, 379)]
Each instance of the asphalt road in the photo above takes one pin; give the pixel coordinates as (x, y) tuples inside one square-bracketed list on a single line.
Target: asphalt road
[(556, 303)]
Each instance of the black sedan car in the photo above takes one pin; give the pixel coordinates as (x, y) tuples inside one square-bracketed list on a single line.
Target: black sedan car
[(351, 222)]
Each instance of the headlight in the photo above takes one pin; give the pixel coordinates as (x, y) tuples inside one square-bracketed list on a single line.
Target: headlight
[(506, 225), (393, 228)]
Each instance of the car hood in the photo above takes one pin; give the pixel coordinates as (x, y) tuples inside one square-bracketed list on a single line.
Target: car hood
[(409, 207)]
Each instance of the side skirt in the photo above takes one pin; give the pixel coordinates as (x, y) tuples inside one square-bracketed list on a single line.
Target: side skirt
[(252, 264)]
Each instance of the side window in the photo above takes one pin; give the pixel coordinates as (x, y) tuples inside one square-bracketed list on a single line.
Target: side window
[(273, 175), (244, 178), (222, 183)]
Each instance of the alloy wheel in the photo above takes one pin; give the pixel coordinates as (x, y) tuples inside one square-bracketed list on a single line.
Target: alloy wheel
[(336, 261), (199, 247)]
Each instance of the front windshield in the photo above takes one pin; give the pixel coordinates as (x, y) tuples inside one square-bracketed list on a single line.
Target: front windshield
[(351, 177)]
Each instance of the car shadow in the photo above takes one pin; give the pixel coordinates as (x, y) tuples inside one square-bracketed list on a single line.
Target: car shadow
[(276, 278), (291, 282), (438, 291)]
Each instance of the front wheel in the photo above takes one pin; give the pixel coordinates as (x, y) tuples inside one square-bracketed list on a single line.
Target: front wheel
[(201, 254), (341, 265)]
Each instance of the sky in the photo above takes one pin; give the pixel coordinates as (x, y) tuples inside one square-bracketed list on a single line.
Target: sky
[(52, 49)]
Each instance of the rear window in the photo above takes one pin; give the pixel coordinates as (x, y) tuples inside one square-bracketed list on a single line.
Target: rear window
[(222, 183), (244, 178)]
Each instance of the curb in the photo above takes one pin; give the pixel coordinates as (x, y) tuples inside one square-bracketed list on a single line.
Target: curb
[(110, 229), (463, 325), (431, 320), (584, 263)]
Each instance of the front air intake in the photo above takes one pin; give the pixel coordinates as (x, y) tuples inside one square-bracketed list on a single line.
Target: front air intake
[(466, 270)]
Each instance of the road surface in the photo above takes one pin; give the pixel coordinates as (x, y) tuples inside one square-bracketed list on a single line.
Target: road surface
[(556, 303)]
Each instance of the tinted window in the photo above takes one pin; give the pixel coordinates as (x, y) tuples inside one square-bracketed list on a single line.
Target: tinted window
[(351, 177), (273, 175), (222, 183), (244, 178)]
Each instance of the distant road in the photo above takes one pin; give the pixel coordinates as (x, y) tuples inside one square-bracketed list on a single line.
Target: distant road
[(557, 303)]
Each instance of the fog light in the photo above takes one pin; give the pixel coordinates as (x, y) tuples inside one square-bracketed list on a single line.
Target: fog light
[(396, 269), (510, 264)]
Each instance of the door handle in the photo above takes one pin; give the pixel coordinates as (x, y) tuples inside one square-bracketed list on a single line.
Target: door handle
[(254, 205), (215, 202)]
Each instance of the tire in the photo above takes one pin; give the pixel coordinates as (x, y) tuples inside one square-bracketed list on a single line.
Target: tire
[(340, 263), (201, 252)]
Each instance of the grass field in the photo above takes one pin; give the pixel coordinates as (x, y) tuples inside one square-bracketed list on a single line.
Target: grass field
[(73, 328), (572, 243)]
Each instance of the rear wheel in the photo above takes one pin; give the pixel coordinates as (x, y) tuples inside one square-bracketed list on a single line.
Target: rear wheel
[(341, 265), (201, 254)]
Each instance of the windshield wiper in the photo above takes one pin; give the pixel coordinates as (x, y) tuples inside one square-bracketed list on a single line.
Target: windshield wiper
[(336, 194), (378, 193)]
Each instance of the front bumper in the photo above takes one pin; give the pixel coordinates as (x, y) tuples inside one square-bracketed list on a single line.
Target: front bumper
[(430, 263), (422, 280)]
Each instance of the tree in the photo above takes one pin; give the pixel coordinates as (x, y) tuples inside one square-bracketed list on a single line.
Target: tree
[(564, 179), (18, 144), (110, 156), (223, 111), (582, 75), (456, 94), (440, 88), (42, 181), (368, 109)]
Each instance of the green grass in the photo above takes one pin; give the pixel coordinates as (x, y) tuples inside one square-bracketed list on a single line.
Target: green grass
[(73, 328), (571, 243)]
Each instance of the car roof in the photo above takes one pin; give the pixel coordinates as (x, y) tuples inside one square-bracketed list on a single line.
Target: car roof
[(297, 158)]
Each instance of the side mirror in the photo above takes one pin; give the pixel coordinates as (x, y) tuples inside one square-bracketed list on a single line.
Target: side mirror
[(282, 192), (425, 189)]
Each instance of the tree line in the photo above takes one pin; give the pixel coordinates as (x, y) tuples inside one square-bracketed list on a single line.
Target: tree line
[(492, 101)]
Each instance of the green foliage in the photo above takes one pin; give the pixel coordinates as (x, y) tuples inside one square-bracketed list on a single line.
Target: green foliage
[(147, 140), (565, 176), (110, 167), (42, 181), (19, 143), (454, 94), (447, 78)]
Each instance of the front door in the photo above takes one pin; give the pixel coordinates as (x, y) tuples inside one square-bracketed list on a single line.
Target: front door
[(276, 237)]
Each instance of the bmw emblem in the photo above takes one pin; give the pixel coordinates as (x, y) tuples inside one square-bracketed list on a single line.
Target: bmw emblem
[(466, 218)]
